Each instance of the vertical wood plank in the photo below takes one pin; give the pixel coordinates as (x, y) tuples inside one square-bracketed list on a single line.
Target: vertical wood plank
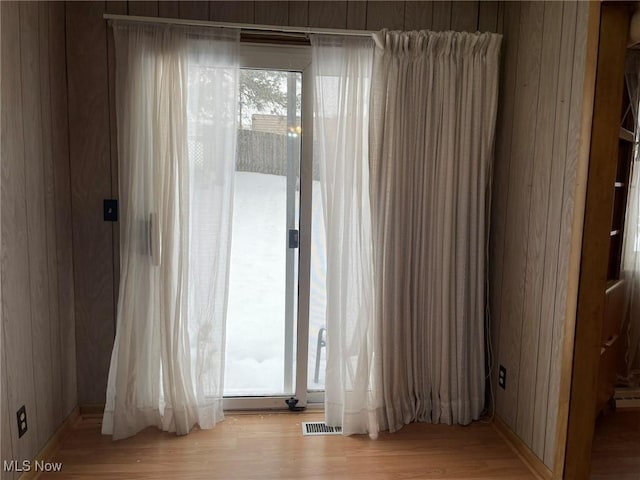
[(142, 8), (117, 7), (299, 13), (16, 305), (237, 12), (388, 15), (501, 186), (7, 436), (441, 16), (464, 16), (168, 9), (36, 218), (357, 15), (54, 410), (231, 11), (488, 15), (518, 201), (193, 10), (550, 286), (60, 156), (271, 12), (418, 15), (533, 322), (501, 9), (91, 183), (328, 14), (5, 433), (568, 201)]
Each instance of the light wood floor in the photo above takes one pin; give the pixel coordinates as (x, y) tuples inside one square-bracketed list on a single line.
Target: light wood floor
[(272, 446), (616, 446)]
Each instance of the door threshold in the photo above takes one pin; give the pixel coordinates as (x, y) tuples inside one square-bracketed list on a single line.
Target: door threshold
[(310, 408)]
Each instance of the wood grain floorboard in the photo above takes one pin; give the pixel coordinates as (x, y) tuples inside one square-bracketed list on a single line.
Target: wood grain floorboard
[(272, 446), (616, 447)]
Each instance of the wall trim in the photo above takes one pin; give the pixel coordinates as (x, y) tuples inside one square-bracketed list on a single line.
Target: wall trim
[(537, 467), (54, 442), (91, 409)]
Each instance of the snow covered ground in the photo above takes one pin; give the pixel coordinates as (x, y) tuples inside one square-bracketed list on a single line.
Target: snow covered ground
[(256, 309)]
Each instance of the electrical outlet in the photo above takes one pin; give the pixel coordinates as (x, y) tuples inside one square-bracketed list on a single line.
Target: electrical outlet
[(22, 421), (502, 377)]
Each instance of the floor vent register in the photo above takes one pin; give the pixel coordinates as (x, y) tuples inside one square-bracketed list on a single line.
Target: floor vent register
[(319, 428)]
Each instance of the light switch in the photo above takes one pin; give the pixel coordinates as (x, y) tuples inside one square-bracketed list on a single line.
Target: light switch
[(111, 210)]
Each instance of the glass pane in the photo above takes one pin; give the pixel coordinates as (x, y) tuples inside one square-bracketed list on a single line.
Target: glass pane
[(318, 295), (265, 209)]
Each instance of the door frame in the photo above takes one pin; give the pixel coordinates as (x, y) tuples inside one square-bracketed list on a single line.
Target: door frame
[(603, 88)]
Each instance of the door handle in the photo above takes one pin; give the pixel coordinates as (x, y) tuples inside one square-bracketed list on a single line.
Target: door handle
[(294, 238)]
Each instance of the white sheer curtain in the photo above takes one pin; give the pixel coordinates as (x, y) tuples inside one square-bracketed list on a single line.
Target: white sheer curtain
[(631, 240), (342, 74), (176, 100), (433, 112)]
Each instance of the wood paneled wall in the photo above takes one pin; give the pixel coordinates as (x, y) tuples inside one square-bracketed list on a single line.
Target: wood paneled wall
[(90, 160), (94, 163), (537, 145), (39, 357)]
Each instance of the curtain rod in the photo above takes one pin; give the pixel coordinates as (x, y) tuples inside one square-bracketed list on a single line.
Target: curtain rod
[(241, 26)]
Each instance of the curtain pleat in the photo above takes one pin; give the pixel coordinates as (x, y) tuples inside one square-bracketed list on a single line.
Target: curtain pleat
[(433, 110), (176, 91)]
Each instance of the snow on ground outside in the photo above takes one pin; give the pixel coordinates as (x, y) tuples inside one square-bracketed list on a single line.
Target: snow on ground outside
[(255, 317)]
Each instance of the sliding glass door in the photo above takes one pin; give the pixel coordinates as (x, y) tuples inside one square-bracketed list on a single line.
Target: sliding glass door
[(267, 328)]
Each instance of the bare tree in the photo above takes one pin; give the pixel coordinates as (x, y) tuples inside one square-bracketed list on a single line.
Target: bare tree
[(262, 90)]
